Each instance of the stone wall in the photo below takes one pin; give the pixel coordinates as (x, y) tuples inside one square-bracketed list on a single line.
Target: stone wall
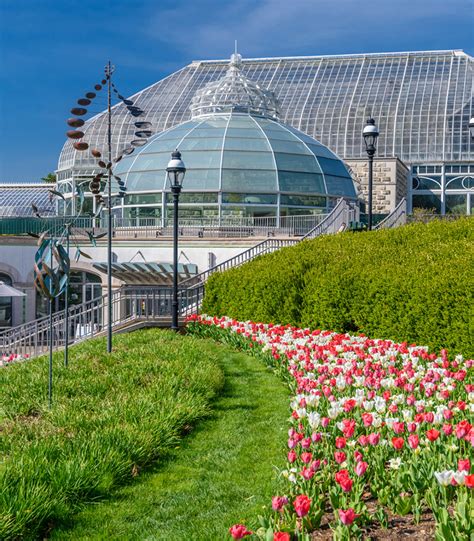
[(389, 182)]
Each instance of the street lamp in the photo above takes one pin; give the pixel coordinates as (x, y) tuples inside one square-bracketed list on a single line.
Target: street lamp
[(370, 137), (175, 173), (471, 127)]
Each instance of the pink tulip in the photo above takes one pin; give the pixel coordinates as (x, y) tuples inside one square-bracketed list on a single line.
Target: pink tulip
[(361, 468), (347, 517)]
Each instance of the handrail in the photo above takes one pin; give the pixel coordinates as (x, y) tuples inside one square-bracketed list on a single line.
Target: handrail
[(261, 248), (395, 218), (338, 220)]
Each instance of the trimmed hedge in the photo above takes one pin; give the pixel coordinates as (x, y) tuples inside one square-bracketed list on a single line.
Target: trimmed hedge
[(413, 283)]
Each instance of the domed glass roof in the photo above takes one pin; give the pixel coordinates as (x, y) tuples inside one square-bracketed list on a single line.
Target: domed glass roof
[(240, 153)]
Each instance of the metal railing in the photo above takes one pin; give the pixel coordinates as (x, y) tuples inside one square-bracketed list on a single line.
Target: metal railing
[(264, 247), (396, 218), (129, 304), (338, 220), (226, 227)]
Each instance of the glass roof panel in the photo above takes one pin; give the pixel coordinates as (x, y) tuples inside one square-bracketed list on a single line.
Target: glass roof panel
[(205, 143), (340, 185), (249, 181), (333, 167), (296, 162), (234, 143), (234, 159), (301, 182)]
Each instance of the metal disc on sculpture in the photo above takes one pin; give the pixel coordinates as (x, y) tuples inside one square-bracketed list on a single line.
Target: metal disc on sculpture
[(102, 164), (109, 165), (75, 122), (103, 81), (127, 102), (79, 111), (118, 158), (83, 101), (98, 87), (128, 150), (75, 134), (143, 125), (96, 153), (138, 142), (80, 145), (136, 113), (144, 133), (91, 95)]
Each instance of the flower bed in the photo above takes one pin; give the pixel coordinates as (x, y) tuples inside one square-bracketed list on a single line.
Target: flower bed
[(376, 429), (6, 360)]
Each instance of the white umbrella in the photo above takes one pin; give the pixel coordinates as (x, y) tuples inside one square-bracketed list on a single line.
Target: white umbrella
[(9, 291)]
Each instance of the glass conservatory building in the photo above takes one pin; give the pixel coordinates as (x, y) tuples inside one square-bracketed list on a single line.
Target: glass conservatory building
[(422, 102)]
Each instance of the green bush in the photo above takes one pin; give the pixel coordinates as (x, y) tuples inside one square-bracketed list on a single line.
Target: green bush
[(414, 284), (112, 415)]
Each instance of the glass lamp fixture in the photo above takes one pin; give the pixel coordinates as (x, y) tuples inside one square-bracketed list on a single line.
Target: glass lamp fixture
[(370, 134), (176, 171)]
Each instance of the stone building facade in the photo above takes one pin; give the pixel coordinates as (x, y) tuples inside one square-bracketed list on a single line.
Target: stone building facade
[(390, 182)]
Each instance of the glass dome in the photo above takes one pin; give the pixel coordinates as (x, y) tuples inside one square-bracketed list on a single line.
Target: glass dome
[(236, 164)]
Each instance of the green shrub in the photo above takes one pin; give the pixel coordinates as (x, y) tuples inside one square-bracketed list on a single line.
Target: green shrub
[(414, 283), (112, 415)]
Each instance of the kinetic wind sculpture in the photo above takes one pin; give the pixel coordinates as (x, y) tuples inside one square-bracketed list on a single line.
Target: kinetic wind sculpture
[(101, 183), (52, 263)]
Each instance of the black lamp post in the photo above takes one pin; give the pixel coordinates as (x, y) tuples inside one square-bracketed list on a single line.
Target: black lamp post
[(370, 137), (175, 172), (471, 127)]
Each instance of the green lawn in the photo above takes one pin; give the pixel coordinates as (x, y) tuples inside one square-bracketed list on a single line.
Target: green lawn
[(222, 473), (112, 416)]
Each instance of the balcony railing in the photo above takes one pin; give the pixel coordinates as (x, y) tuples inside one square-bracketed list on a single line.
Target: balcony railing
[(129, 228)]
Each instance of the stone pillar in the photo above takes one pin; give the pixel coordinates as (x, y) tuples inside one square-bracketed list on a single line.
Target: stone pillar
[(390, 180)]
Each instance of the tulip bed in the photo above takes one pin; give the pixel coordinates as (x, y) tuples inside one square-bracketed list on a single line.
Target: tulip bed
[(377, 429)]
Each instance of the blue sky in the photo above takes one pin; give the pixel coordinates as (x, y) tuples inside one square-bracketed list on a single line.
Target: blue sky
[(52, 51)]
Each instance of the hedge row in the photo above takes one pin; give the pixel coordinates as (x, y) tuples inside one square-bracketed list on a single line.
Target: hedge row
[(414, 283)]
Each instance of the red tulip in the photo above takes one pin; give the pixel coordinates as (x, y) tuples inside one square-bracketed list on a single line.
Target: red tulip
[(292, 456), (462, 429), (464, 464), (398, 443), (340, 443), (339, 456), (302, 504), (341, 474), (432, 434), (469, 481), (281, 536), (346, 484)]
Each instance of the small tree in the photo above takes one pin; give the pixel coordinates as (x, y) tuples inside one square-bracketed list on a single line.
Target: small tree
[(50, 178)]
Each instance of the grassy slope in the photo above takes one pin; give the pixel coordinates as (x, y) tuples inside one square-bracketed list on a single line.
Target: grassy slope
[(112, 415), (221, 474)]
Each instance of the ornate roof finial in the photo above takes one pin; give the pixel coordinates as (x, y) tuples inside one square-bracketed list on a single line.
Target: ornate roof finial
[(234, 92)]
